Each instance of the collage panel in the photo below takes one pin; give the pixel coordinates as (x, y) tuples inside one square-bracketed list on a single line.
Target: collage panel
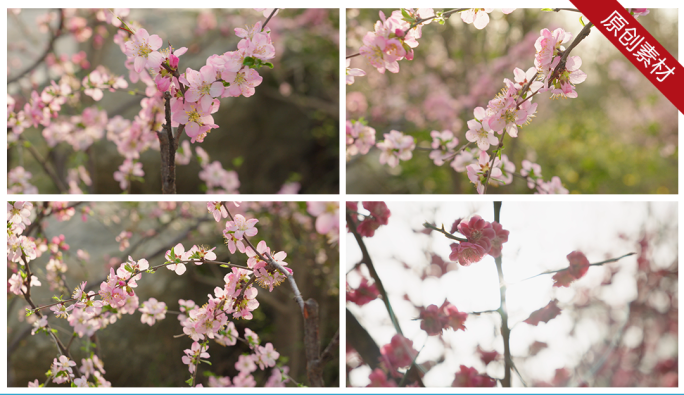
[(251, 97), (512, 294), (501, 101), (173, 294)]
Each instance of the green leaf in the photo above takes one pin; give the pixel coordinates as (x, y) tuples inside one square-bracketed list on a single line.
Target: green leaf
[(29, 312), (205, 361), (189, 381), (547, 9), (268, 64), (581, 21), (129, 268), (249, 61), (226, 266), (238, 161), (405, 13)]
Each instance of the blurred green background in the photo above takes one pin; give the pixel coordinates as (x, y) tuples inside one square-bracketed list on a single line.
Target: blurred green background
[(287, 131), (618, 136)]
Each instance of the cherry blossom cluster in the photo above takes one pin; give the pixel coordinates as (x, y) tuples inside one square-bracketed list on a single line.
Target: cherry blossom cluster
[(482, 238), (195, 97), (261, 357), (195, 93), (435, 319), (360, 138), (470, 377), (394, 39), (89, 311), (379, 215)]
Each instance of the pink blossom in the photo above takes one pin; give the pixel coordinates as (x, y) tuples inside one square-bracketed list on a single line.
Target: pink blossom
[(152, 310), (360, 138), (396, 147), (381, 52), (175, 257), (501, 236), (466, 253), (127, 171), (266, 356), (327, 215), (399, 353), (202, 87), (478, 231), (143, 48), (477, 174), (242, 227), (378, 378), (218, 210), (364, 294), (443, 144), (552, 187), (258, 46), (245, 364), (532, 171), (477, 16), (197, 121), (242, 82), (351, 73), (480, 132), (469, 377)]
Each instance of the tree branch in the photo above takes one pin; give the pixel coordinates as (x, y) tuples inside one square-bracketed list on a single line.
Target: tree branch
[(55, 35), (369, 264)]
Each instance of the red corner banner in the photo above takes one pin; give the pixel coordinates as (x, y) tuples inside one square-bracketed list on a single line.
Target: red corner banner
[(638, 45)]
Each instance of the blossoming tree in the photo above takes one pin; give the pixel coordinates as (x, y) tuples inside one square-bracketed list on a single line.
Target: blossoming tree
[(225, 333), (464, 96), (166, 91), (468, 303)]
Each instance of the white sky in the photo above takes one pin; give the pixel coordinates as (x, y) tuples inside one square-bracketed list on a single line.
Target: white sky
[(541, 235)]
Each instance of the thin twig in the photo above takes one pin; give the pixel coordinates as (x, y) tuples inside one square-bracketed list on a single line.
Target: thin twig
[(369, 264), (55, 35), (268, 19), (568, 268), (50, 172), (446, 234), (503, 310)]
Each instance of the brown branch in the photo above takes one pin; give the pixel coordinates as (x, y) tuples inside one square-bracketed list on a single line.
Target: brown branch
[(312, 349), (561, 65), (43, 163), (503, 311), (369, 264), (446, 234), (55, 35), (168, 147), (268, 19), (309, 313), (27, 296)]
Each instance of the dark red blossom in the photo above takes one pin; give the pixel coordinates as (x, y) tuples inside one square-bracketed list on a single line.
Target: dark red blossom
[(469, 377), (365, 293), (579, 265), (545, 314)]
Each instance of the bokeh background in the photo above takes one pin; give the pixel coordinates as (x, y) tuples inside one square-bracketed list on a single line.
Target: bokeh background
[(138, 355), (286, 132), (618, 136), (619, 323)]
